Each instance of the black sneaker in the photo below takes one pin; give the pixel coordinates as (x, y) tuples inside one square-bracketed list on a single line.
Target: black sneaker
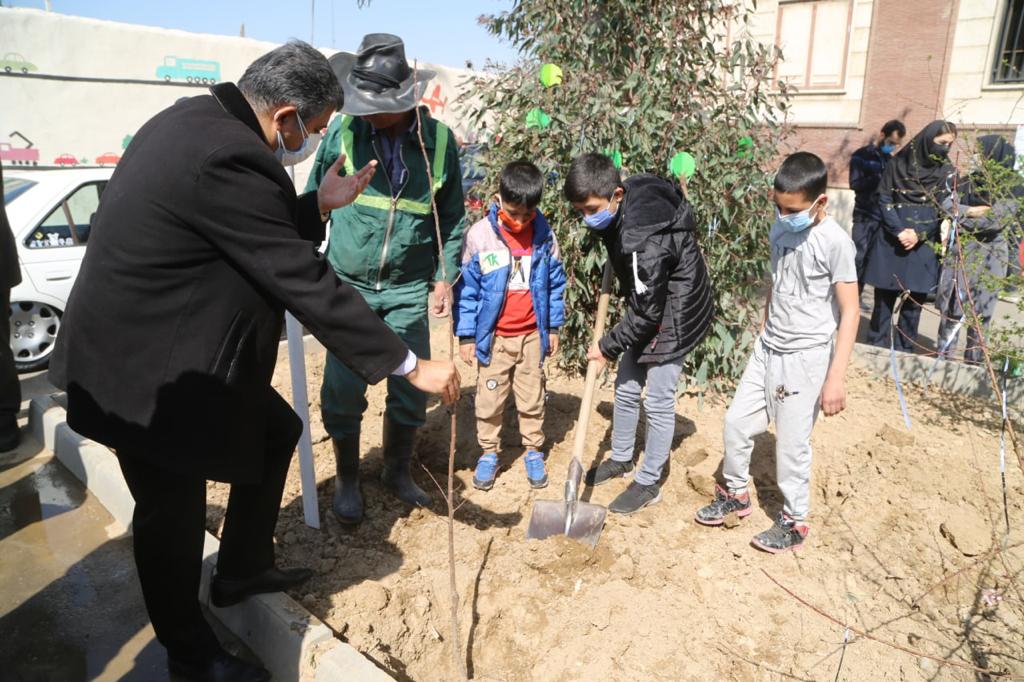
[(784, 535), (607, 470), (635, 497), (725, 503)]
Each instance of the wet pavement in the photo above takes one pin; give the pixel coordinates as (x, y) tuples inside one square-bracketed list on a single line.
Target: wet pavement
[(71, 607), (70, 604)]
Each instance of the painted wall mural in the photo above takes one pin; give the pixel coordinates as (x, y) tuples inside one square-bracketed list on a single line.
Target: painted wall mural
[(198, 71), (76, 90)]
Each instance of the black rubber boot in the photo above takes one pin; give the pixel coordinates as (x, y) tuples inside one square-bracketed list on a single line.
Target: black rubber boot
[(399, 441), (348, 500)]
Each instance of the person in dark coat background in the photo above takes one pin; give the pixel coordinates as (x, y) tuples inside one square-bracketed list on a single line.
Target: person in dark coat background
[(866, 166), (10, 389), (903, 258), (989, 209), (171, 333)]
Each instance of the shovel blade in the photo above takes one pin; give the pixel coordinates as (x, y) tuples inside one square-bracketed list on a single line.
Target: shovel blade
[(549, 517), (588, 522)]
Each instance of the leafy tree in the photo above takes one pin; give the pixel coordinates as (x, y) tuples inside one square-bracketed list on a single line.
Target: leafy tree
[(642, 80)]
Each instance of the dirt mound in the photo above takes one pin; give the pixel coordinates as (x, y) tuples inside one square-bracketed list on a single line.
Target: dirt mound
[(662, 598)]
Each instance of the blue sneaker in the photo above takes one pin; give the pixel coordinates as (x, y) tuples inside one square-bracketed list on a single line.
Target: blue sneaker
[(535, 472), (486, 468)]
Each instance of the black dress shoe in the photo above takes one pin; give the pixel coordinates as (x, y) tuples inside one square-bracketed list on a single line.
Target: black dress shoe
[(223, 667), (10, 438), (230, 591)]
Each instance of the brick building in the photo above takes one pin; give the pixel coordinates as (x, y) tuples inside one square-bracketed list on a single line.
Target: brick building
[(858, 63)]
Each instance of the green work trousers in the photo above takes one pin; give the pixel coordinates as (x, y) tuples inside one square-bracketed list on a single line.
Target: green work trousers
[(343, 394)]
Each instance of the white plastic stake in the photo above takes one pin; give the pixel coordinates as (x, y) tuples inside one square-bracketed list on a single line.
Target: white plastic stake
[(300, 403)]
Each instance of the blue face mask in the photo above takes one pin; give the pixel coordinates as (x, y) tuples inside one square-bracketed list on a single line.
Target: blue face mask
[(602, 219), (888, 148), (795, 222)]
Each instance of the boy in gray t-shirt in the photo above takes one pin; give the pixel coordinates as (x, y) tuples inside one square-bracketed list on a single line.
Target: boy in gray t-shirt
[(793, 371)]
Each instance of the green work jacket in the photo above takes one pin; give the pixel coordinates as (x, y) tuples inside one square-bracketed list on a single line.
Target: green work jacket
[(387, 237)]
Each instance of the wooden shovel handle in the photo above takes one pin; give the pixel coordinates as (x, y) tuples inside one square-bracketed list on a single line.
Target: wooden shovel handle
[(593, 367)]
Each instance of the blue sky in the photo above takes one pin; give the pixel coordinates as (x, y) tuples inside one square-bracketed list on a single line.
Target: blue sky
[(436, 31)]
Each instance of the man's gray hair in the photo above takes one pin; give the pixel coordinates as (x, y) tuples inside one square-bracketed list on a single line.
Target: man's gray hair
[(295, 73)]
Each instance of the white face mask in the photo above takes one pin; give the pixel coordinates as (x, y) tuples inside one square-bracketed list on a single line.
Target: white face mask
[(310, 141)]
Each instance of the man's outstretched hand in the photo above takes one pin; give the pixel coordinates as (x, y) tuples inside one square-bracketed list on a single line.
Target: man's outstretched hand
[(438, 377), (341, 190)]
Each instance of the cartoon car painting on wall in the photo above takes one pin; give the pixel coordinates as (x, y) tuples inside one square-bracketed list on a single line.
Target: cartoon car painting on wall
[(13, 61), (109, 157), (65, 160), (189, 70)]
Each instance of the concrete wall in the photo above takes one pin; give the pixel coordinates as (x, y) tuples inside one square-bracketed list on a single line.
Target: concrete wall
[(970, 96), (91, 84)]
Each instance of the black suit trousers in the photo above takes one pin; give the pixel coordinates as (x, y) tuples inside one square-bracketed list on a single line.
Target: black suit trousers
[(10, 389), (168, 532)]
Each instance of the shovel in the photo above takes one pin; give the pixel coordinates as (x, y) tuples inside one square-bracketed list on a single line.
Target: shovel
[(579, 520)]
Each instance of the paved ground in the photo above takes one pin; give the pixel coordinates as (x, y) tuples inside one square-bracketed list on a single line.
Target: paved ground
[(70, 604), (70, 607), (930, 320)]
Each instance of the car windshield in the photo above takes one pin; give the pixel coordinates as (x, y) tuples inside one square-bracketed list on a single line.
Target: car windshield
[(14, 188)]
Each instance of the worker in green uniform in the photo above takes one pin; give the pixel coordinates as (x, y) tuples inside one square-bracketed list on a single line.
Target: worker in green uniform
[(385, 245)]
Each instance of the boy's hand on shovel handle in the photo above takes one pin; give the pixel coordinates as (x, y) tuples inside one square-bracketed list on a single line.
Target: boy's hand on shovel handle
[(595, 355)]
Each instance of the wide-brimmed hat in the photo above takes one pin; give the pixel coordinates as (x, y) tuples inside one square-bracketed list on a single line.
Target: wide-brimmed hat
[(377, 79)]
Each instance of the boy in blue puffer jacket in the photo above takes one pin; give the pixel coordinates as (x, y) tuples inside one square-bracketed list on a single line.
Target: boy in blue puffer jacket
[(509, 306)]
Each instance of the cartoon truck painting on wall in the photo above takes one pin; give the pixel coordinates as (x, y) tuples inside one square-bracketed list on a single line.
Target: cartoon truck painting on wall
[(188, 70), (23, 156)]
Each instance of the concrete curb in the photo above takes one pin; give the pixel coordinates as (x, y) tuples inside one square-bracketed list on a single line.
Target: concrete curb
[(293, 643), (952, 377)]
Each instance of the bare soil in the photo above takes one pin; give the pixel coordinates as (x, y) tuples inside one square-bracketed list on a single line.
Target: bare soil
[(895, 515)]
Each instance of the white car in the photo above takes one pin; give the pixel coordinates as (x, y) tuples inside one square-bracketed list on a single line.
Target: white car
[(50, 212)]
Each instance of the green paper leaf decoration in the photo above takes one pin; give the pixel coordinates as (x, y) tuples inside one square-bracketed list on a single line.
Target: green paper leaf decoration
[(615, 155), (682, 163), (746, 147), (537, 118), (550, 75)]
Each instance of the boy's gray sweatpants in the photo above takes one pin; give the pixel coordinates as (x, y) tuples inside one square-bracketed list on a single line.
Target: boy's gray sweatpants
[(786, 388), (659, 407)]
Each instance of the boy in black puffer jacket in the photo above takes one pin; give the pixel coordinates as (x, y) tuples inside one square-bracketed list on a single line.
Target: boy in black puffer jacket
[(647, 226)]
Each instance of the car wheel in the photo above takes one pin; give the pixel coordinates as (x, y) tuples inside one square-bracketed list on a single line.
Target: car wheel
[(7, 69), (167, 79), (34, 328), (24, 70)]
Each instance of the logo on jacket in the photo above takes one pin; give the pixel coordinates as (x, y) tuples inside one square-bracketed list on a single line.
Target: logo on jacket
[(492, 260)]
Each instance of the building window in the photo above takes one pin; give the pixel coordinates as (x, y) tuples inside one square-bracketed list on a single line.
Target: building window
[(1009, 61), (814, 36)]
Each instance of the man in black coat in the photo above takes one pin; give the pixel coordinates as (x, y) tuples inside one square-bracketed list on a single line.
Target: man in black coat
[(866, 166), (171, 333), (647, 226), (10, 389)]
